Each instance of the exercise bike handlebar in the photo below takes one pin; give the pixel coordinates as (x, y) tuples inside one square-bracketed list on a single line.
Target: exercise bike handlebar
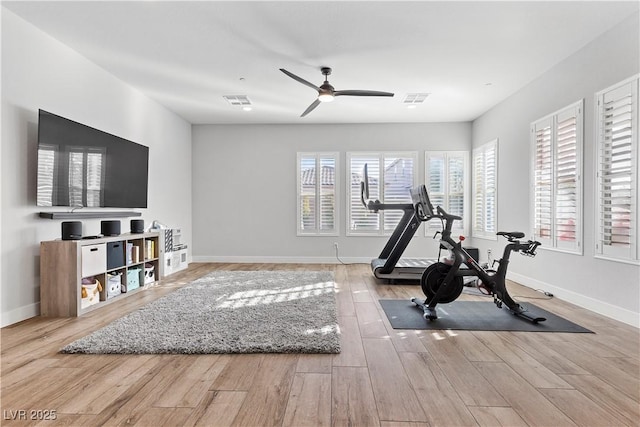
[(447, 216), (524, 248), (531, 249)]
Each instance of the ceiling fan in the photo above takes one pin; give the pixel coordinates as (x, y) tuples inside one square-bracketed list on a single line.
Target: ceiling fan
[(326, 92)]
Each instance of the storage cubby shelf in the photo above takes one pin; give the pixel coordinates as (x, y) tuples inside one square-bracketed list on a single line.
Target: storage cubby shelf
[(65, 263)]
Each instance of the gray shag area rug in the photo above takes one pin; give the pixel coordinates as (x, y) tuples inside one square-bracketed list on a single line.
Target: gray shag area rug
[(229, 312)]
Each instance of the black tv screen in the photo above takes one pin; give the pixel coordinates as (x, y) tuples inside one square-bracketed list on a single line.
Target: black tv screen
[(80, 166)]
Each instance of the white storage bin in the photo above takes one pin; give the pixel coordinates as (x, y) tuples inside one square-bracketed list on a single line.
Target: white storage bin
[(149, 274), (94, 259), (90, 293), (114, 285)]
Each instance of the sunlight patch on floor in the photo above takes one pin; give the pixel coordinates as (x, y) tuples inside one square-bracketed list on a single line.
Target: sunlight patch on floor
[(270, 296), (324, 330)]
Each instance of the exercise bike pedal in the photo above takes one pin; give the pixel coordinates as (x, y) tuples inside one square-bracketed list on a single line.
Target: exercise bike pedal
[(430, 313)]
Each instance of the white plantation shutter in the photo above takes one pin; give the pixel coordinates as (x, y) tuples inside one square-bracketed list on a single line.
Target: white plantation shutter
[(478, 194), (398, 180), (360, 219), (485, 180), (457, 166), (557, 169), (435, 167), (568, 174), (446, 175), (391, 176), (327, 193), (543, 181), (617, 163), (317, 186)]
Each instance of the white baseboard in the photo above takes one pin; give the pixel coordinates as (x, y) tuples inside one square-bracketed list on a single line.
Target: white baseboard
[(20, 314), (280, 260), (612, 311)]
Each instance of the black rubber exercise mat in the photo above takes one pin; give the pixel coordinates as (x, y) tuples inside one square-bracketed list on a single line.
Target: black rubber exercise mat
[(474, 316)]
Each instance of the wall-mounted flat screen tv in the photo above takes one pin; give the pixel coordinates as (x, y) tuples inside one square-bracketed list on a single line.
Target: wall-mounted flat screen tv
[(80, 166)]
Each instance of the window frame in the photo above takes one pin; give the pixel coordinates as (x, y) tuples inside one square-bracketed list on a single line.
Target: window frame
[(381, 156), (483, 150), (318, 156), (466, 191), (554, 242), (630, 255)]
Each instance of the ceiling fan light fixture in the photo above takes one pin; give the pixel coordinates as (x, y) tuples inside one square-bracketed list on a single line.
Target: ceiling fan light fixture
[(325, 97)]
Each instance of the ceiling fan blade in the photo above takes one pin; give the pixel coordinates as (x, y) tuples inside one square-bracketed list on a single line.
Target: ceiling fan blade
[(361, 93), (311, 107), (300, 79)]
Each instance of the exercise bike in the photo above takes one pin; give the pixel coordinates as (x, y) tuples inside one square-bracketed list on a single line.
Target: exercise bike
[(442, 282)]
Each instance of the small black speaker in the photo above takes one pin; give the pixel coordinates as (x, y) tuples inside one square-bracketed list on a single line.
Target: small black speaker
[(71, 230), (110, 228), (137, 226)]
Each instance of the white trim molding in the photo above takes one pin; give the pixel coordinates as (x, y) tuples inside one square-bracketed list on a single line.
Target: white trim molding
[(597, 306)]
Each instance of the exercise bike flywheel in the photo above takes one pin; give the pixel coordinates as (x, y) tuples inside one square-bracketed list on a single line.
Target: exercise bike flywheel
[(433, 278)]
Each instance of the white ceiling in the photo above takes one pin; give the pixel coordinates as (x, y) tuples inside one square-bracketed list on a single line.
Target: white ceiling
[(186, 55)]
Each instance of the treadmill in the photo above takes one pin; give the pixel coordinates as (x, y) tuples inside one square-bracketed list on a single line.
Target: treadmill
[(389, 265)]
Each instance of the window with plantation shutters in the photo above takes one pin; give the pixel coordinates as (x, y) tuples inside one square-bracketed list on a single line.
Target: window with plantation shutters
[(391, 177), (557, 170), (543, 180), (317, 187), (446, 181), (617, 172), (484, 187)]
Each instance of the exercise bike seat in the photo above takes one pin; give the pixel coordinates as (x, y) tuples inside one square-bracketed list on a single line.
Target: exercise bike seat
[(511, 234)]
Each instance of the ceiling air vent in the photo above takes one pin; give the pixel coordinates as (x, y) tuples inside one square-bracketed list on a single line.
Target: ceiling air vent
[(414, 98), (239, 101)]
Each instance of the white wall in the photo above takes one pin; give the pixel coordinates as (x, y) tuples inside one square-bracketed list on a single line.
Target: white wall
[(611, 288), (244, 186), (40, 72)]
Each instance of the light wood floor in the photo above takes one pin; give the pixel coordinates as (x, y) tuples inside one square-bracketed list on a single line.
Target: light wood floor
[(382, 377)]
